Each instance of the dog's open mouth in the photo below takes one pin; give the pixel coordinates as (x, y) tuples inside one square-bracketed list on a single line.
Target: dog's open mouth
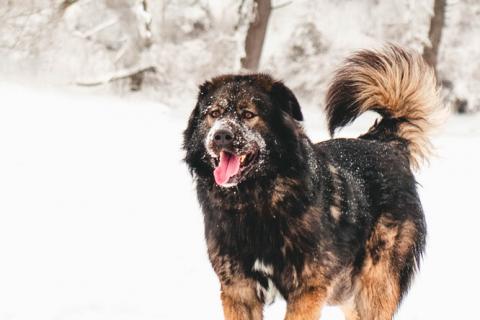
[(229, 167)]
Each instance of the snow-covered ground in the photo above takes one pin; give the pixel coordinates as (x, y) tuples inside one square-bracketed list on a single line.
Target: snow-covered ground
[(99, 220)]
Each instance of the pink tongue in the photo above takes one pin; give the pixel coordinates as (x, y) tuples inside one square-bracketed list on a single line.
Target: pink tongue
[(229, 166)]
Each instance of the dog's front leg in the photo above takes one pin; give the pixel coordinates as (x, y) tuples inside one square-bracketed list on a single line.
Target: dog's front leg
[(306, 305), (240, 301)]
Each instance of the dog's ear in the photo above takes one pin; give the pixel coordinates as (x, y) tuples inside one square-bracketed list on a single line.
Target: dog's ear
[(203, 91), (286, 100), (192, 122)]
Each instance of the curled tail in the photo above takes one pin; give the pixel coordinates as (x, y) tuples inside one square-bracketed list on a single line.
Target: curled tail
[(397, 84)]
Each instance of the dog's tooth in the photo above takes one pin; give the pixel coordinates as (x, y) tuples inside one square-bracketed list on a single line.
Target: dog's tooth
[(242, 158)]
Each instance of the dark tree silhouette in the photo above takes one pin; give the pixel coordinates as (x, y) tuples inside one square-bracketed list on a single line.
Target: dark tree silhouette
[(430, 52), (256, 35)]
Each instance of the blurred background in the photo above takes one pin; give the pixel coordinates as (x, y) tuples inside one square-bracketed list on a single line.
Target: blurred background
[(98, 214), (164, 48)]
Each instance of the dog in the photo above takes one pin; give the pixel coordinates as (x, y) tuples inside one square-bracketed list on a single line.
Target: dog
[(332, 223)]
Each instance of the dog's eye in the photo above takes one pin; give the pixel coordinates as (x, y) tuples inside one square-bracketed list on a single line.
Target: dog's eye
[(214, 113), (248, 115)]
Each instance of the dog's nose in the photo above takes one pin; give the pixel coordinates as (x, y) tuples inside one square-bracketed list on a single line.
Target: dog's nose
[(223, 138)]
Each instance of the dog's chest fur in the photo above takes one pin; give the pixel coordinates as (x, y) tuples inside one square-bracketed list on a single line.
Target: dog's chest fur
[(267, 235), (285, 230)]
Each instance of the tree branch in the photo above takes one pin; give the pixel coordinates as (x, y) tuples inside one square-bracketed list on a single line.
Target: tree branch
[(282, 5), (118, 75)]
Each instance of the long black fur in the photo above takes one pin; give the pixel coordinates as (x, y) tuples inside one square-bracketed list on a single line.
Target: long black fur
[(248, 222)]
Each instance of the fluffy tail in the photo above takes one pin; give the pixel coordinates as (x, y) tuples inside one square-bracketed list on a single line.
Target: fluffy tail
[(397, 84)]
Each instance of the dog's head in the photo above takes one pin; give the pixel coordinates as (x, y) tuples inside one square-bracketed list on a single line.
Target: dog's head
[(243, 127)]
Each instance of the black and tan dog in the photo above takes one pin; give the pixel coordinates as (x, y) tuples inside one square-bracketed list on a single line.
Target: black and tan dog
[(337, 222)]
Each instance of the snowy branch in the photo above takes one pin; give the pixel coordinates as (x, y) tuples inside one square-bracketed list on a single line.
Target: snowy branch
[(282, 5), (102, 26), (118, 75)]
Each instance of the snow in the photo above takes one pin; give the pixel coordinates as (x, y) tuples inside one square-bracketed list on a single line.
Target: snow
[(99, 219), (190, 41)]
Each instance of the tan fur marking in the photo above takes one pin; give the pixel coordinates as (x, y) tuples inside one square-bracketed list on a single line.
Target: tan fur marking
[(307, 305), (257, 123), (335, 212), (379, 290), (238, 294), (380, 293), (406, 238), (240, 301), (335, 209), (246, 104), (306, 301), (385, 232), (350, 310)]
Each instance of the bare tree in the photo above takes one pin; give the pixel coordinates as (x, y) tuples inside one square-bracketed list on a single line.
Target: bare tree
[(256, 34), (131, 20), (430, 54), (437, 22)]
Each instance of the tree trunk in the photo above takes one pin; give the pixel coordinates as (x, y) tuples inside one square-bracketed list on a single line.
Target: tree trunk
[(148, 25), (256, 35), (430, 53)]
